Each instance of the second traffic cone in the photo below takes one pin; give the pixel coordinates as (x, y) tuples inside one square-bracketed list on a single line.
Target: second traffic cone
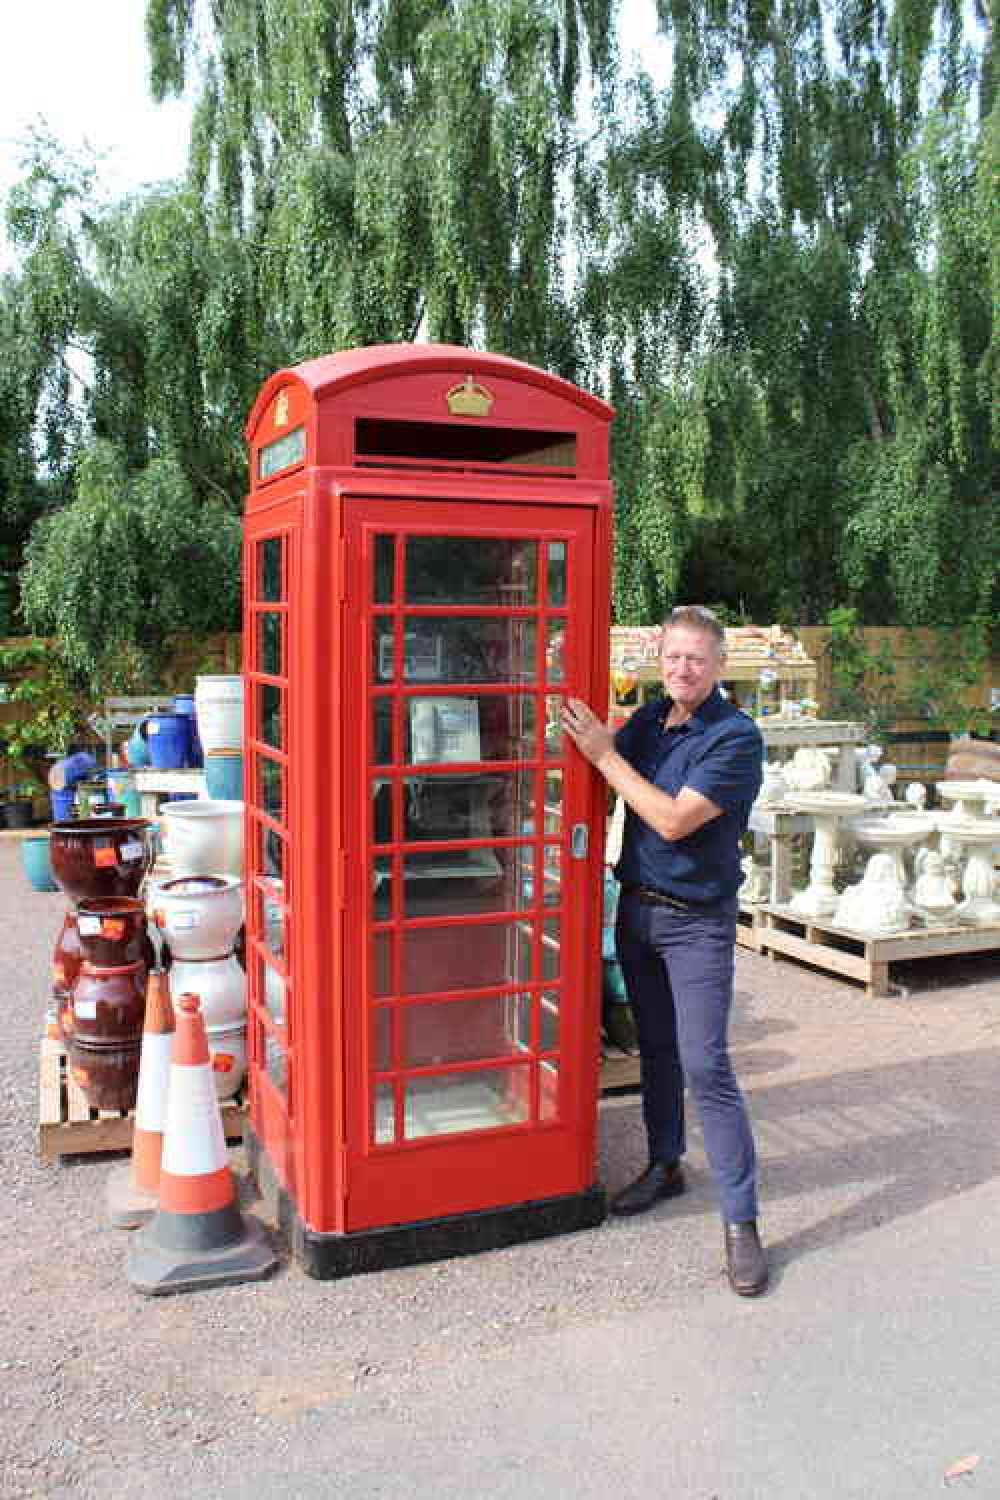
[(198, 1236), (133, 1187)]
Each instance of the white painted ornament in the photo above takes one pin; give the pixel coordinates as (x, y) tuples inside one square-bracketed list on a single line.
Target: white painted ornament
[(933, 891), (876, 904)]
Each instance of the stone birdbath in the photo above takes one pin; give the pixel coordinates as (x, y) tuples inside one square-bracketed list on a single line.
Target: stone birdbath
[(892, 835), (979, 836), (969, 797), (828, 810)]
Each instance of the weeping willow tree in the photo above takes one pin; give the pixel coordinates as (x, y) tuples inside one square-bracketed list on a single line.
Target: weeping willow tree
[(812, 417), (391, 169)]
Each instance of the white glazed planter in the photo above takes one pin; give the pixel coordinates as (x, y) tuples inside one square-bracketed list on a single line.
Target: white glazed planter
[(227, 1048), (204, 838), (199, 915), (219, 708), (219, 984)]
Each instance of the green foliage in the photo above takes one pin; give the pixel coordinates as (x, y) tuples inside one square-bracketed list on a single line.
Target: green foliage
[(51, 709), (864, 682), (129, 562)]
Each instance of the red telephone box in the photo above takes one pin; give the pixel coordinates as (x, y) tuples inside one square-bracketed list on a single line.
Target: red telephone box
[(427, 574)]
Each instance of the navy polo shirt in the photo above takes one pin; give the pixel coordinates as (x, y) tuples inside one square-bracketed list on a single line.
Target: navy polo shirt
[(718, 752)]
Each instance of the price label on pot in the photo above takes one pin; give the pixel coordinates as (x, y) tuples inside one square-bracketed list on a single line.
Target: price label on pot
[(89, 926), (104, 855), (183, 921), (222, 1062), (85, 1010), (113, 928), (132, 850)]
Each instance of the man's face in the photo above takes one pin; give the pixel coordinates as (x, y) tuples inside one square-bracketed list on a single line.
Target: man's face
[(691, 664)]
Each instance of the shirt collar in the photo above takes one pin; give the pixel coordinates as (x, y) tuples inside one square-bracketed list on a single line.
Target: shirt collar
[(707, 713)]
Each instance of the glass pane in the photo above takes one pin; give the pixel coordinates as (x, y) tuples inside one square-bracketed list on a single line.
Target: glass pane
[(382, 1026), (548, 1090), (270, 787), (464, 1030), (467, 881), (276, 1065), (439, 959), (272, 853), (269, 714), (382, 648), (453, 1102), (382, 888), (555, 642), (553, 801), (269, 652), (548, 1021), (385, 1115), (470, 570), (462, 648), (385, 556), (469, 728), (550, 948), (468, 805), (552, 875), (557, 572), (382, 731), (272, 989), (269, 569), (381, 810), (271, 917), (381, 964), (553, 727)]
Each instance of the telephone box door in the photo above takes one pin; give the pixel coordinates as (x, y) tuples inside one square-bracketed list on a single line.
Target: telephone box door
[(471, 1051)]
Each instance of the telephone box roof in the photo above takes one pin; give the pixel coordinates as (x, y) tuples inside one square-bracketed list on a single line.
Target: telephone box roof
[(353, 367)]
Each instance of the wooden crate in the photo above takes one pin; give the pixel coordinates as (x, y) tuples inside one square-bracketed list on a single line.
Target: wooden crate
[(856, 955), (749, 920), (67, 1126)]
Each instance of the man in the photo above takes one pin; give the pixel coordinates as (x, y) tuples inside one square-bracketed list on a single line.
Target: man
[(688, 766)]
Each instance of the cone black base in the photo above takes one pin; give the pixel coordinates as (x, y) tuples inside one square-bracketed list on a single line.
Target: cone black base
[(158, 1270), (331, 1255)]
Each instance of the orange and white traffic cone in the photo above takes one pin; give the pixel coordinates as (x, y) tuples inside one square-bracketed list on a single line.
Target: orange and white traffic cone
[(197, 1237), (133, 1187)]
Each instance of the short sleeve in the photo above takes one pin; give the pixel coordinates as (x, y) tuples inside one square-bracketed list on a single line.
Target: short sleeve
[(729, 772)]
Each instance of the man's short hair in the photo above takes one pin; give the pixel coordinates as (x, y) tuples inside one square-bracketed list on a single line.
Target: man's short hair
[(698, 617)]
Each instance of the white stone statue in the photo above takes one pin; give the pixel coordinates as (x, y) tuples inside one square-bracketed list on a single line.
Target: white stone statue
[(773, 787), (876, 781), (934, 890), (809, 769), (754, 889), (876, 904), (916, 795)]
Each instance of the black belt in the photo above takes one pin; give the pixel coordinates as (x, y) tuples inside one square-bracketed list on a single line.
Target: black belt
[(650, 896)]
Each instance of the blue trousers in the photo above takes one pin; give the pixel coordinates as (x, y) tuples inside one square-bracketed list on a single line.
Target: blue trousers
[(678, 969)]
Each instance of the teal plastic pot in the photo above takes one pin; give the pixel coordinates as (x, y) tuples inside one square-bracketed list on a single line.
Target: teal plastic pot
[(36, 862)]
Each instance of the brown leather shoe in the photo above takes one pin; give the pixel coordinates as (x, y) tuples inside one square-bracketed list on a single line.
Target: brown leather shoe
[(660, 1180), (745, 1260)]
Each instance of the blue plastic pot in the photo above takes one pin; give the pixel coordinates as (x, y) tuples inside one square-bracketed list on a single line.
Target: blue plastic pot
[(65, 774), (63, 805), (224, 777), (136, 749), (167, 738), (184, 705), (37, 866)]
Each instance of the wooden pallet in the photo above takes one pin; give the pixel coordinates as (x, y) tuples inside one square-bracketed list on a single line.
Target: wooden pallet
[(857, 955), (748, 923), (67, 1126), (619, 1073)]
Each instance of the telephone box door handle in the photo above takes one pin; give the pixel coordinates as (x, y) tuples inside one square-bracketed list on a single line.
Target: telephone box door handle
[(579, 841)]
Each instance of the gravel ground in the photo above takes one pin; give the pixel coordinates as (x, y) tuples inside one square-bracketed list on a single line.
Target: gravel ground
[(866, 1112)]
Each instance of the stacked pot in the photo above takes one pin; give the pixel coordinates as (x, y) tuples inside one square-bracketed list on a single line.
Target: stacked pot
[(102, 953), (200, 913)]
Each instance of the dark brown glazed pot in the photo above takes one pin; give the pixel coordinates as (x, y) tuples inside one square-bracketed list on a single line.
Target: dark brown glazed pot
[(108, 1076), (108, 1005), (113, 932), (67, 955), (94, 859)]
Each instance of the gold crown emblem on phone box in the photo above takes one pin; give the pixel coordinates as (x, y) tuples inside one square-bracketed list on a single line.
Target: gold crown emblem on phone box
[(469, 399)]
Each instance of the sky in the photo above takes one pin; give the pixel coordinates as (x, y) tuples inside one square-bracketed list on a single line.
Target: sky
[(81, 68)]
